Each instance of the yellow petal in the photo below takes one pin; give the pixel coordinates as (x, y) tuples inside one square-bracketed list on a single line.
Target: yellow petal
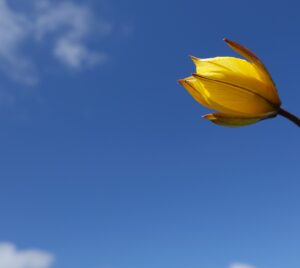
[(189, 84), (232, 121), (260, 67), (195, 88), (232, 99), (234, 71), (226, 66)]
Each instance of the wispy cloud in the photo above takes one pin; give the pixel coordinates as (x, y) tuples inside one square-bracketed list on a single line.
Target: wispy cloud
[(14, 28), (69, 45), (65, 27), (241, 265), (10, 257)]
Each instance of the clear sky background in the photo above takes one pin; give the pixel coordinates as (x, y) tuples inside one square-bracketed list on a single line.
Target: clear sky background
[(105, 160)]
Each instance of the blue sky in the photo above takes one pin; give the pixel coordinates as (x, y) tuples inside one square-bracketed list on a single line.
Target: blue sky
[(105, 160)]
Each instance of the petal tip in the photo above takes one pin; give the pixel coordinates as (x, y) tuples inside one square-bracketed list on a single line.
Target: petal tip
[(227, 40), (209, 116), (233, 44), (181, 81), (193, 57)]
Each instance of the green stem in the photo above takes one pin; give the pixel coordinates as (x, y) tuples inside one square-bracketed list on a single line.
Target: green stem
[(289, 116)]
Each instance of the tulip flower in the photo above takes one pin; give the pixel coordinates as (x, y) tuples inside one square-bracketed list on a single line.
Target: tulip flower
[(241, 90)]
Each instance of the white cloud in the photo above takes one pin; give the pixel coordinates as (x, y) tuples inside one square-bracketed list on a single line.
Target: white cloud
[(241, 265), (64, 26), (14, 28), (77, 22), (10, 257), (75, 55)]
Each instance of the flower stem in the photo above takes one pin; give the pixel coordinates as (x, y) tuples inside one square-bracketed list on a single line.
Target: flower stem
[(289, 116)]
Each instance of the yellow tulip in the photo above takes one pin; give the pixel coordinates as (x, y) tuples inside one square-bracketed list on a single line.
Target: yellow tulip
[(241, 91)]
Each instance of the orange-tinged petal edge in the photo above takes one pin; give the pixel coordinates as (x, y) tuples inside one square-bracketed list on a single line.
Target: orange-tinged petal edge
[(233, 121), (249, 55)]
